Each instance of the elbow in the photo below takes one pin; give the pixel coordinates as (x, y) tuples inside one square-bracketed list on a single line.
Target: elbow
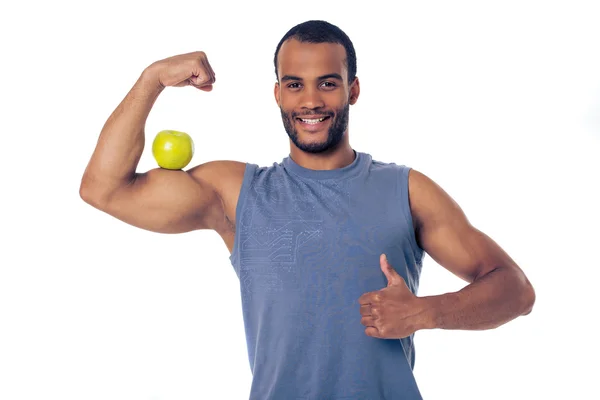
[(85, 191), (528, 298), (91, 193)]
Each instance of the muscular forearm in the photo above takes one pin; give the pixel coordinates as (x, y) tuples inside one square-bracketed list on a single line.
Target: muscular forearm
[(490, 301), (121, 140)]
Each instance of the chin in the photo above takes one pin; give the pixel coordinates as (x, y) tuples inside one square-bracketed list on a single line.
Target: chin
[(314, 147)]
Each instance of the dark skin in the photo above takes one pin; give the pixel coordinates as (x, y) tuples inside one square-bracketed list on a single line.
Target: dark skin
[(498, 290), (313, 80), (206, 196)]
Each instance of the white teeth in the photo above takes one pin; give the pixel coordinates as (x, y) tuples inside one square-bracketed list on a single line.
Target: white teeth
[(312, 121)]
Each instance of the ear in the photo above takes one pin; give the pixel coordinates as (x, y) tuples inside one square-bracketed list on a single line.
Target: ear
[(354, 91), (277, 97)]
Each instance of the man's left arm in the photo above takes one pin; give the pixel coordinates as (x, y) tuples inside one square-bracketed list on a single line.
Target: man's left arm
[(498, 290)]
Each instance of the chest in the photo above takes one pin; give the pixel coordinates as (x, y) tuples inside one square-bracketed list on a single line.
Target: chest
[(319, 238)]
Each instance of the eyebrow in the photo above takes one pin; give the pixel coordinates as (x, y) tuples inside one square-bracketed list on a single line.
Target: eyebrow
[(286, 78)]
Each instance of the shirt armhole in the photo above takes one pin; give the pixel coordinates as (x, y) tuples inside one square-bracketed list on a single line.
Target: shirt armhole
[(405, 201), (239, 210)]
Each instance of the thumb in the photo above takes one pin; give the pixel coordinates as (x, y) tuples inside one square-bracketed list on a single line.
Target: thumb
[(390, 273), (201, 82), (206, 88)]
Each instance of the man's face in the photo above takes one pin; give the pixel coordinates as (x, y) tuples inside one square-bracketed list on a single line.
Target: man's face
[(313, 94)]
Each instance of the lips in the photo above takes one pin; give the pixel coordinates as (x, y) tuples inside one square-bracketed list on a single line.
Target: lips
[(312, 118), (313, 123)]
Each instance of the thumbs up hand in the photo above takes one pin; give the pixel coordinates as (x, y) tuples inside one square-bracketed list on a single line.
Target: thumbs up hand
[(393, 312)]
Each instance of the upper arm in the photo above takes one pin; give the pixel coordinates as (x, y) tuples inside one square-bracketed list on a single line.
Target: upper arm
[(444, 232), (176, 201)]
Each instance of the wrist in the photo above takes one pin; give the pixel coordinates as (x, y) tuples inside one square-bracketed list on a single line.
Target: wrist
[(149, 79), (430, 316), (439, 308)]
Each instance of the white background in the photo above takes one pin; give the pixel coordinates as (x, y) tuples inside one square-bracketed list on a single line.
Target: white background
[(498, 102)]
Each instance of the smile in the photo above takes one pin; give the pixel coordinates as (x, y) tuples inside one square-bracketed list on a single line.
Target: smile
[(312, 121)]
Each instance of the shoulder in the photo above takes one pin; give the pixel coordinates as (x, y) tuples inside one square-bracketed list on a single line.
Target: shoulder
[(418, 182), (224, 178), (221, 175), (428, 201), (375, 165), (391, 171), (230, 180), (430, 204), (261, 175)]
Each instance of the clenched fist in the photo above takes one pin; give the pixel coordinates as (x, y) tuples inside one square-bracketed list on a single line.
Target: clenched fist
[(191, 69)]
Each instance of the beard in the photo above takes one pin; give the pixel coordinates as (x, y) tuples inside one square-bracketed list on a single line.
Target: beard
[(334, 135)]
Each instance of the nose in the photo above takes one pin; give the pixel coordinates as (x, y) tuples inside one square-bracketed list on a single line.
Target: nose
[(311, 98)]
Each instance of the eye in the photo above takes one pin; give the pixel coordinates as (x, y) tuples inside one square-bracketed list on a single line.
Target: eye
[(294, 85), (328, 84)]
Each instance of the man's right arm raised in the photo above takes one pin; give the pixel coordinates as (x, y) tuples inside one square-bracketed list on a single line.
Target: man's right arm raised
[(159, 200)]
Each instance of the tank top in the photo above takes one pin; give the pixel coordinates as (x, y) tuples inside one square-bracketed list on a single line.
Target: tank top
[(307, 246)]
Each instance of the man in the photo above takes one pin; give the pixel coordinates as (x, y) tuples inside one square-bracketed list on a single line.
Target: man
[(328, 244)]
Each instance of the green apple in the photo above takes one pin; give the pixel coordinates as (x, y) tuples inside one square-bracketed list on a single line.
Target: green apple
[(172, 149)]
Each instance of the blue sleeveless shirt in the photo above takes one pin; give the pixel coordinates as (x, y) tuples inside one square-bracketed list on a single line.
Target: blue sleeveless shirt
[(307, 246)]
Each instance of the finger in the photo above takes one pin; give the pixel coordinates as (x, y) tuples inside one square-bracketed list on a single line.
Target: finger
[(390, 273), (374, 311), (210, 70), (366, 298), (206, 88), (202, 79), (206, 67), (365, 310), (372, 331), (368, 321)]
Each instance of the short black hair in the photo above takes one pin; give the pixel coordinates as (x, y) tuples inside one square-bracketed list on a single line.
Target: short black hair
[(316, 31)]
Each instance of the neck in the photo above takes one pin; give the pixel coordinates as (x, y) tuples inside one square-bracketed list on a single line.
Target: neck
[(339, 157)]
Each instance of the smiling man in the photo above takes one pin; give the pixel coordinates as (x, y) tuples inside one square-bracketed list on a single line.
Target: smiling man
[(328, 244), (315, 122)]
